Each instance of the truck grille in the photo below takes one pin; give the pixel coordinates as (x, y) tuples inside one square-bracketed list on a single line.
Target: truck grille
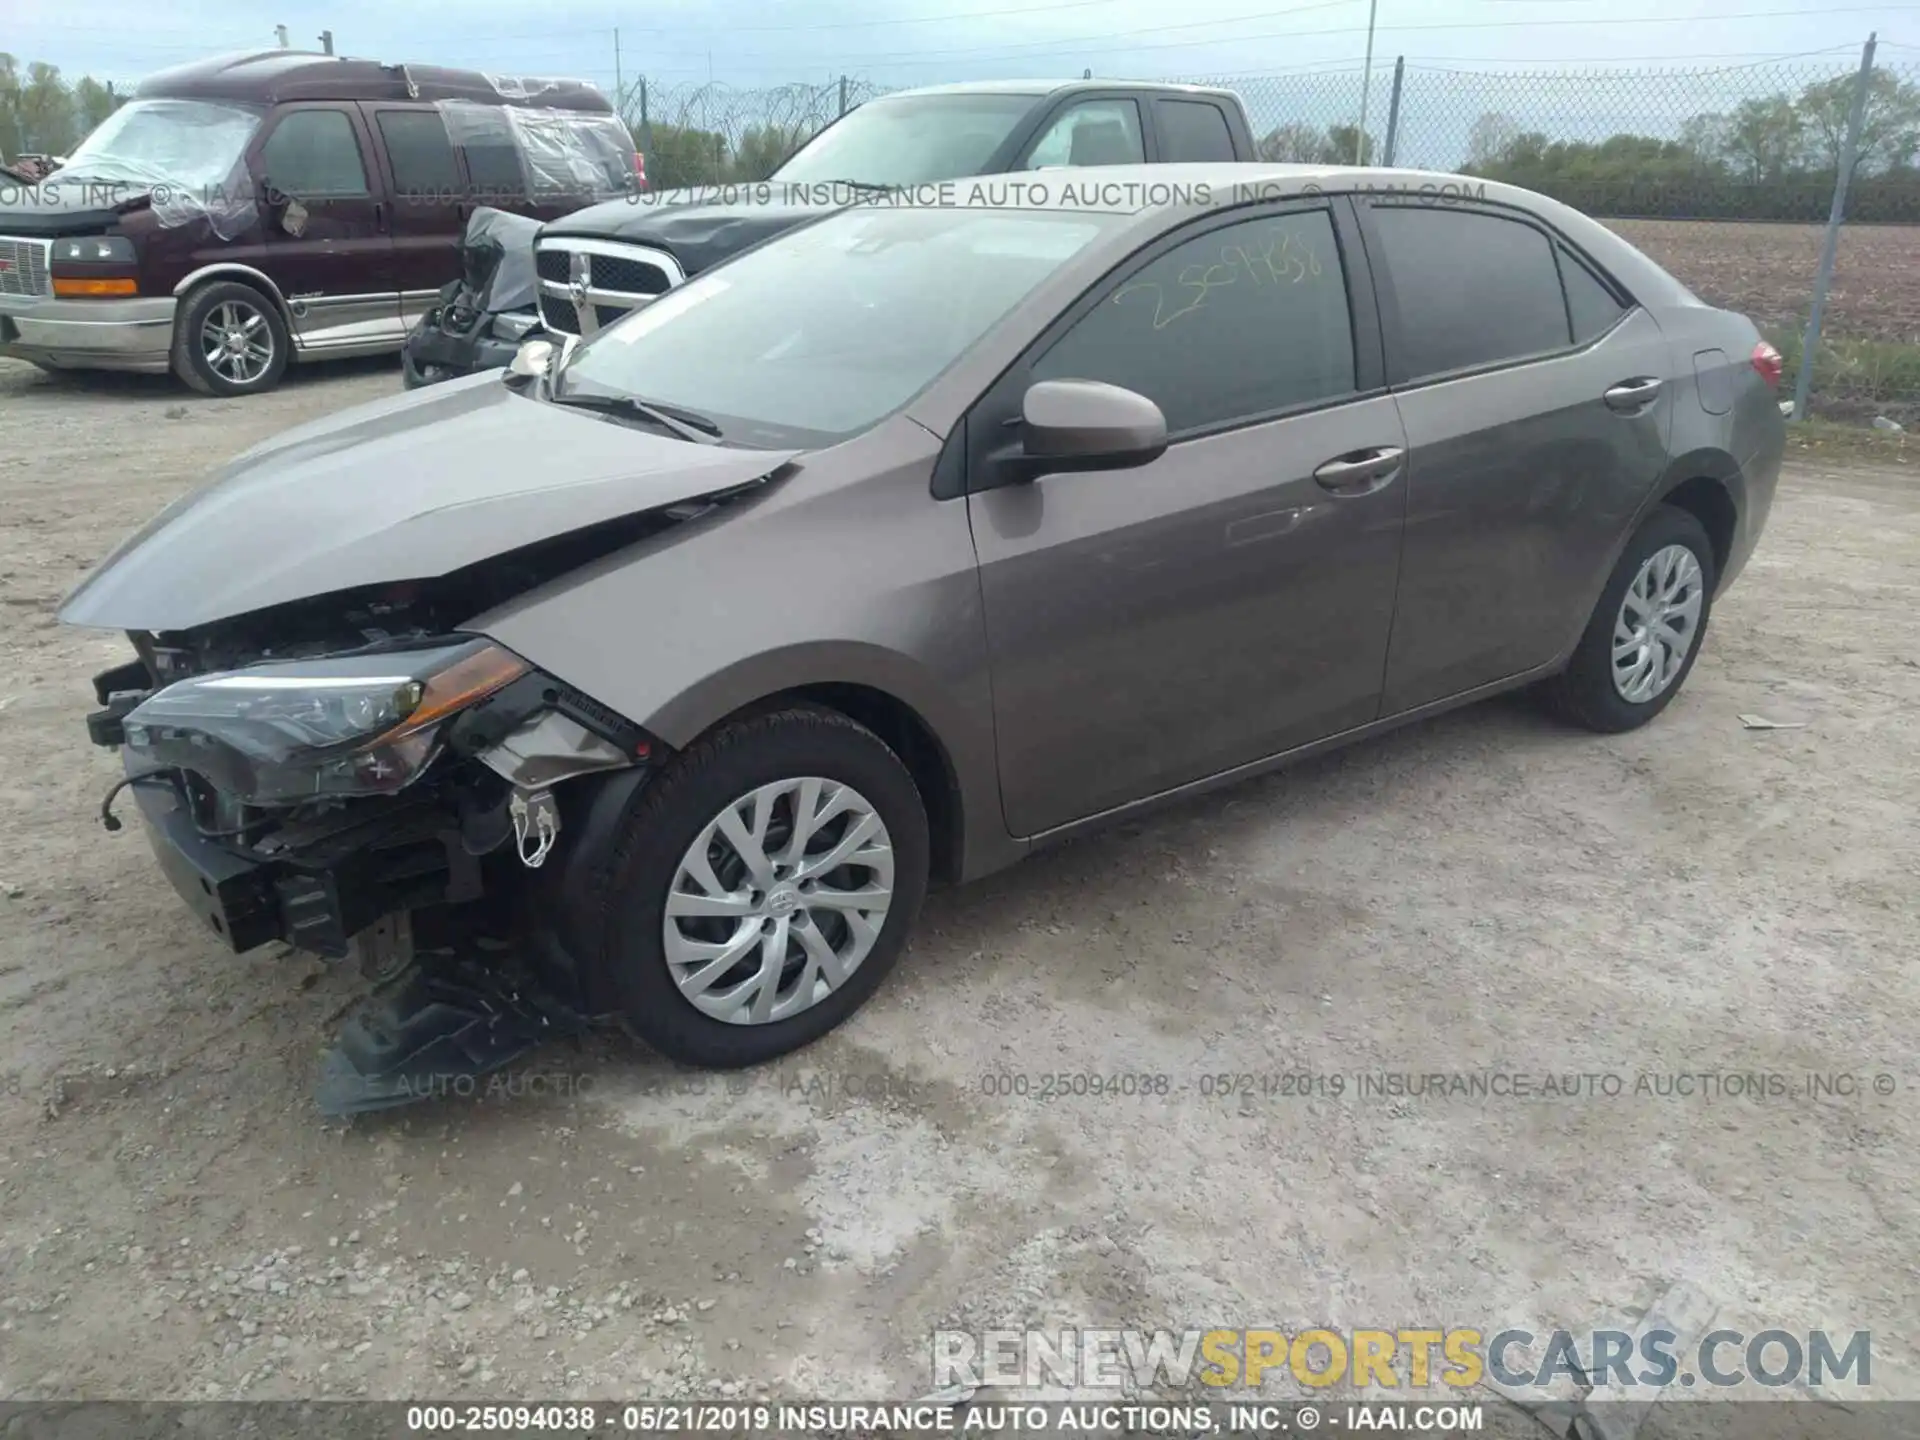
[(23, 267), (587, 285)]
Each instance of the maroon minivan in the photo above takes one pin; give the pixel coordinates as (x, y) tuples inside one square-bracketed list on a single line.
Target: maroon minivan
[(242, 212)]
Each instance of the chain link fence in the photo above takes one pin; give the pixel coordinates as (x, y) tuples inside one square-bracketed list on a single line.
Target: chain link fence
[(715, 134), (1726, 176)]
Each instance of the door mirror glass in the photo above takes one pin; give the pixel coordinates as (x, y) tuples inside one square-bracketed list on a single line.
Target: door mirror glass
[(1089, 425)]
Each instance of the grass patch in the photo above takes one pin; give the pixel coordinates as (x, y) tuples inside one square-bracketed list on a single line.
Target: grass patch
[(1856, 379), (1818, 439)]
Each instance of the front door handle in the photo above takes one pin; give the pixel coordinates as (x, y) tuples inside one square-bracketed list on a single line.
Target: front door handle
[(1361, 472), (1630, 395)]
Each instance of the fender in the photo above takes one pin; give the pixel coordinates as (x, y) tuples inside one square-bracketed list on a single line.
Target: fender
[(257, 278), (1706, 463), (949, 716)]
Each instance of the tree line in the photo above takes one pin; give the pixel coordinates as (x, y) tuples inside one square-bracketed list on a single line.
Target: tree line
[(42, 113), (1774, 157)]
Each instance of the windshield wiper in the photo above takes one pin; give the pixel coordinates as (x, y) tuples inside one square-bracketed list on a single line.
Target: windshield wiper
[(689, 425), (862, 187)]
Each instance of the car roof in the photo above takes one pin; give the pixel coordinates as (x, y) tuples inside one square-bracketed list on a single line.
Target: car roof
[(272, 76), (1039, 88), (1158, 197)]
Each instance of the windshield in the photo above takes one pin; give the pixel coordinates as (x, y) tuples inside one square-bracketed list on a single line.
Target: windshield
[(912, 140), (188, 143), (818, 334)]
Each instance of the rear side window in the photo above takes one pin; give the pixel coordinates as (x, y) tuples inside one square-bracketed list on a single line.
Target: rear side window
[(313, 155), (1472, 289), (493, 165), (1590, 304), (1193, 130), (1239, 322), (424, 168)]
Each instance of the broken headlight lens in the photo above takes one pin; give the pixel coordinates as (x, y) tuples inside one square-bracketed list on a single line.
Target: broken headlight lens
[(350, 725)]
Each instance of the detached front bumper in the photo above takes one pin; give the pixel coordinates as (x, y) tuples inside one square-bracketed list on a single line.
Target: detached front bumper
[(433, 353), (319, 897), (132, 334)]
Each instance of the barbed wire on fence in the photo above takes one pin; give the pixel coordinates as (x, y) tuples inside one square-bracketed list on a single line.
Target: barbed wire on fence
[(713, 133)]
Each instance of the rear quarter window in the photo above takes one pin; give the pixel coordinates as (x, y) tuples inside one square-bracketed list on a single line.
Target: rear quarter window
[(1590, 305)]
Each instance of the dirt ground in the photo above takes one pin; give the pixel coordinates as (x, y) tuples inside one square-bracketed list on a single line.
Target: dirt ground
[(1487, 893)]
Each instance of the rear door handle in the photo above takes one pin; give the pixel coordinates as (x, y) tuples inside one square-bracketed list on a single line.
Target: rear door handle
[(1361, 472), (1631, 395)]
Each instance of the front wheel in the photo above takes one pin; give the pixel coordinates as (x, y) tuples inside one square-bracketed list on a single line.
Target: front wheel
[(1645, 634), (761, 889), (229, 339)]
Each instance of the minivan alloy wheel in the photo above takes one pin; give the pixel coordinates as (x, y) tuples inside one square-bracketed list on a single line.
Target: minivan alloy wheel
[(237, 342), (778, 900), (1658, 622)]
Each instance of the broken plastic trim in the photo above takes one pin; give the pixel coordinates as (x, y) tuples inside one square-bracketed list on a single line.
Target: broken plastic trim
[(447, 1024)]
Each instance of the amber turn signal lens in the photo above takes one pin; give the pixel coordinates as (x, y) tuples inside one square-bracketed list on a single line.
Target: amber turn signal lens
[(471, 678), (72, 288)]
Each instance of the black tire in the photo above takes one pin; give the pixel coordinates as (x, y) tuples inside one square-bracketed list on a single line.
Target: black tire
[(625, 968), (1584, 693), (189, 357)]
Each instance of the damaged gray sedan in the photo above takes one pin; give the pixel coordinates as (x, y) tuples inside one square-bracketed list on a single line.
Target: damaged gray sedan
[(656, 679)]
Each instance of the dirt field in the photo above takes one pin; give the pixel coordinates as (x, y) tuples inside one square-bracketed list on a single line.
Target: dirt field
[(1767, 271), (1484, 894)]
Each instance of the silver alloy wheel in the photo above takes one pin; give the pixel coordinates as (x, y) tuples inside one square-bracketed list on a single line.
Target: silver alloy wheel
[(1658, 622), (237, 342), (778, 900)]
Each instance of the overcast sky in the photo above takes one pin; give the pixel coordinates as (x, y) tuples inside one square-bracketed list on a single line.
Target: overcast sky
[(905, 42)]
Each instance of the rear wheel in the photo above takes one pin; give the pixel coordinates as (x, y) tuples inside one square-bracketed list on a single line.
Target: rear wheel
[(762, 888), (1645, 634), (229, 339)]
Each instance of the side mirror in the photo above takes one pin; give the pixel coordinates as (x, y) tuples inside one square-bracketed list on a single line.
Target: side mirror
[(531, 359), (1088, 425)]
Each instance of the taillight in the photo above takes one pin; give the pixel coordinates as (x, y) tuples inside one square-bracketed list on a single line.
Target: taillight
[(1766, 360), (639, 169)]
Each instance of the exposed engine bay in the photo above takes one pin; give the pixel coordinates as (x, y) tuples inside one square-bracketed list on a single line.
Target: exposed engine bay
[(260, 751)]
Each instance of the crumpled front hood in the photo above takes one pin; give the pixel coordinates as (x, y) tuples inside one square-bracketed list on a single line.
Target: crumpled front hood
[(403, 489)]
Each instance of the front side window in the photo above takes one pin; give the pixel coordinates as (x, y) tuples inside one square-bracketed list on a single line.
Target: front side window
[(189, 144), (1472, 289), (910, 140), (1240, 321), (821, 332), (1093, 132), (314, 155)]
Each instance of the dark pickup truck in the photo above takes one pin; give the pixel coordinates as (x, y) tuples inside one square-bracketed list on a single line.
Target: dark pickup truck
[(597, 264)]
